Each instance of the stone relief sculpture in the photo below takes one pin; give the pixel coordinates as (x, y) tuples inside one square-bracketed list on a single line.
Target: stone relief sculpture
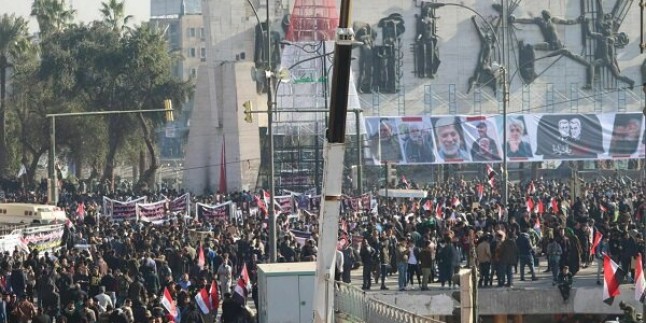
[(552, 43), (526, 59), (427, 54), (389, 55), (608, 39), (484, 74), (366, 35)]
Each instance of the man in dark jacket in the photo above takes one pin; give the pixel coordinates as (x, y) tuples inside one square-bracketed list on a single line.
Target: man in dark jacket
[(18, 280), (367, 254), (525, 254), (507, 252)]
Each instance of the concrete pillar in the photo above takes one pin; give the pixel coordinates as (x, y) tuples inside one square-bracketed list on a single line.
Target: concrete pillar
[(500, 318)]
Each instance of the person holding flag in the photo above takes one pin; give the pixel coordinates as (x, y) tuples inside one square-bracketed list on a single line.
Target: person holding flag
[(601, 249)]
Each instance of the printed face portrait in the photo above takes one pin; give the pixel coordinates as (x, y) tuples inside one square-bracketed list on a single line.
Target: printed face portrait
[(385, 130), (415, 133), (575, 128), (482, 130), (515, 132), (564, 128), (485, 145), (449, 139), (632, 129)]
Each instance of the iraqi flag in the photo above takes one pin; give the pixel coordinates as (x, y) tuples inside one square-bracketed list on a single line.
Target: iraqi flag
[(243, 287), (213, 295), (438, 211), (428, 205), (455, 201), (491, 174), (612, 276), (203, 301), (640, 282), (168, 304), (529, 202), (603, 208), (540, 207), (480, 191), (531, 188), (595, 242), (555, 205), (201, 261)]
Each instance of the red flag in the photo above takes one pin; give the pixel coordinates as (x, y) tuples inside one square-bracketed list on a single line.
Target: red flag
[(243, 287), (201, 261), (491, 174), (595, 242), (223, 168), (531, 188), (438, 211), (215, 298), (640, 282), (405, 181), (455, 201), (80, 210), (261, 204), (529, 202), (428, 205), (612, 276), (480, 190), (540, 207), (344, 226), (168, 304), (202, 301), (555, 205)]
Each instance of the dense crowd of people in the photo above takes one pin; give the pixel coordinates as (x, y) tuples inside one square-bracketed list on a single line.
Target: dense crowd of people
[(118, 272)]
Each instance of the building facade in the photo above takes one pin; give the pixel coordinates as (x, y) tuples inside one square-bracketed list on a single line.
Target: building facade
[(421, 58)]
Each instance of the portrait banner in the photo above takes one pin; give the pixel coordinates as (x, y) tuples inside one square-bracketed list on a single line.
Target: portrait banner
[(483, 139)]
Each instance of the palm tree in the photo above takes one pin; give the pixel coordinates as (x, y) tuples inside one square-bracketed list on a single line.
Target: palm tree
[(114, 15), (52, 15), (14, 39)]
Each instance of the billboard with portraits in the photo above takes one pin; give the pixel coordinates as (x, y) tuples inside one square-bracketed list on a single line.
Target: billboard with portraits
[(482, 139)]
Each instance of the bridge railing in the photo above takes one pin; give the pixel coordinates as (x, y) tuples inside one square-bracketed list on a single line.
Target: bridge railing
[(361, 306)]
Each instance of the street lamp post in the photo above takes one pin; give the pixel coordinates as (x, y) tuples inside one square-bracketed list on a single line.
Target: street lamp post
[(269, 77), (52, 190), (505, 85)]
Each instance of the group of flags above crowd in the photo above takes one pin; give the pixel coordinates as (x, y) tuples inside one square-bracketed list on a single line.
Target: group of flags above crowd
[(208, 301)]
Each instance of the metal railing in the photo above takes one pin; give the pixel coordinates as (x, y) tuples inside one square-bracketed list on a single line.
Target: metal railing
[(356, 303)]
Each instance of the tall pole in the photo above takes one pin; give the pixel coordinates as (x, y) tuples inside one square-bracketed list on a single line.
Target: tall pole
[(52, 191), (273, 234), (505, 103), (357, 117), (333, 156)]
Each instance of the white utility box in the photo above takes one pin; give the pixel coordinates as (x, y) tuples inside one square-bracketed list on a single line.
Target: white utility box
[(285, 292)]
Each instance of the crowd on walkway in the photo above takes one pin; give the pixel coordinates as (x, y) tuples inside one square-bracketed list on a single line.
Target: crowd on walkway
[(118, 272)]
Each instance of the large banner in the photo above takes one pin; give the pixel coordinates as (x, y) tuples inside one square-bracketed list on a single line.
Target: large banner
[(41, 238), (481, 139), (121, 211), (219, 212), (286, 203), (152, 212), (180, 204)]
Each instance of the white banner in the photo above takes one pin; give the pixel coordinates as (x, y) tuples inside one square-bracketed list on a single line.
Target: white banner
[(152, 212)]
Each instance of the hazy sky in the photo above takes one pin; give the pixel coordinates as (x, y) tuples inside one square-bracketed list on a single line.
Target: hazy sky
[(86, 10)]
